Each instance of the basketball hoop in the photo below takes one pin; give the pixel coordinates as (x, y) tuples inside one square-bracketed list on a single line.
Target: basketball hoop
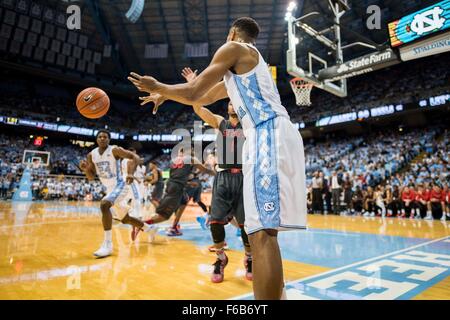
[(302, 90)]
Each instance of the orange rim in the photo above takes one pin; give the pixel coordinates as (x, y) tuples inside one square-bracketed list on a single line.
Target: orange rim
[(303, 85)]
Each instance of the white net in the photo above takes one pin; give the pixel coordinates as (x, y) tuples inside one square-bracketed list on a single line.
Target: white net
[(302, 90)]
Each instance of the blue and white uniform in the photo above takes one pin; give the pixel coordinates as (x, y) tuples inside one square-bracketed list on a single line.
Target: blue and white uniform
[(109, 172), (140, 175), (273, 155), (134, 193)]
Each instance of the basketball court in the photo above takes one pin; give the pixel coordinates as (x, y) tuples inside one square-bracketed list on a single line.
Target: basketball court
[(47, 250), (46, 246)]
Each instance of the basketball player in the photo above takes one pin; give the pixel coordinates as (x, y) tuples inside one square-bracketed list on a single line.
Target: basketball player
[(140, 176), (227, 195), (105, 162), (193, 190), (180, 169), (273, 157), (157, 182)]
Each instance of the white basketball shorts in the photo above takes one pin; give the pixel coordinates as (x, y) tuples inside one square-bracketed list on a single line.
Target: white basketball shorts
[(274, 177)]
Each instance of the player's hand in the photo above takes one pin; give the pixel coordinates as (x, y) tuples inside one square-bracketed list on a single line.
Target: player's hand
[(156, 98), (83, 165), (144, 83), (189, 75), (129, 179)]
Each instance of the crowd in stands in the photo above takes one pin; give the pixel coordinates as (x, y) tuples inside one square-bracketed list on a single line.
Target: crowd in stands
[(378, 177), (69, 189), (353, 173), (389, 173), (395, 85)]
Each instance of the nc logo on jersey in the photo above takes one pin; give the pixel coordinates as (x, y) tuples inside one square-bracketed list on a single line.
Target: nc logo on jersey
[(269, 206), (241, 112), (428, 21)]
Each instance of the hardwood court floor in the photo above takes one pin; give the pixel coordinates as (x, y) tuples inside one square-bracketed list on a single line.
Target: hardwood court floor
[(46, 253)]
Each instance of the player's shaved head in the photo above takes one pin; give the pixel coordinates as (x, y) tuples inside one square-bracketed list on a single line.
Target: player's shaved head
[(247, 28)]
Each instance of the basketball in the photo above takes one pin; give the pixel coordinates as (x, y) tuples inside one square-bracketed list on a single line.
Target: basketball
[(93, 103)]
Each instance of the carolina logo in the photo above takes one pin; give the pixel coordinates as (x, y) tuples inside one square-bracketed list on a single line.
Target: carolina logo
[(269, 206), (428, 21)]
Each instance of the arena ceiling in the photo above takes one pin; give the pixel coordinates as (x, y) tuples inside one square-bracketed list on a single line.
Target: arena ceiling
[(177, 22), (172, 24)]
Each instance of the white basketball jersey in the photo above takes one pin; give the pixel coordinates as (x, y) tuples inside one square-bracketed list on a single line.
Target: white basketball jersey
[(254, 95), (140, 173), (107, 167), (124, 166)]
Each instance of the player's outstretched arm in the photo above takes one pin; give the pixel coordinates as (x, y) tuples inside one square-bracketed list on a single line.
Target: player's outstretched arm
[(206, 115), (190, 93), (88, 167), (121, 153), (216, 93)]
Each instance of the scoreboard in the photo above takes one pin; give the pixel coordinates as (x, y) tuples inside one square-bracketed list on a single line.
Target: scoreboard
[(420, 24)]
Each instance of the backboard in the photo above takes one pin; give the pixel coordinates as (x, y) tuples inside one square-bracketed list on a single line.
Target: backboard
[(31, 157)]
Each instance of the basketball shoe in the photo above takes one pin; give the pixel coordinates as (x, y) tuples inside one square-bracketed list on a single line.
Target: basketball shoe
[(219, 267), (203, 222), (174, 232), (105, 250), (150, 229)]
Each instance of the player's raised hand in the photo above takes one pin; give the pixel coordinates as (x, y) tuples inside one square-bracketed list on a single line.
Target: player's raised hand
[(83, 165), (156, 98), (143, 83), (188, 74)]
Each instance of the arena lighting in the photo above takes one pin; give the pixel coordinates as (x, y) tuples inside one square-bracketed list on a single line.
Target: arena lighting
[(290, 8)]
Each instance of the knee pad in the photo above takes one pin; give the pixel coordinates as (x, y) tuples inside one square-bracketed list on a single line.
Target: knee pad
[(218, 232)]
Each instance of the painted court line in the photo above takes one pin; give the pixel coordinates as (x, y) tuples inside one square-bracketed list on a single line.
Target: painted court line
[(354, 264), (40, 223)]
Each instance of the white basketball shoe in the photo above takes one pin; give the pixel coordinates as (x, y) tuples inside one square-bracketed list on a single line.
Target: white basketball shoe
[(105, 250)]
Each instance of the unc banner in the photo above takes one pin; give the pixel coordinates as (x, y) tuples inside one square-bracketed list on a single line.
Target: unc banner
[(420, 24)]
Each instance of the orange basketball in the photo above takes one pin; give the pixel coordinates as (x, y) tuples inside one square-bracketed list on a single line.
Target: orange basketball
[(93, 103)]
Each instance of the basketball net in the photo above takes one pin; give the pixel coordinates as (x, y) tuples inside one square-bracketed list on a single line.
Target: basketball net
[(302, 90)]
